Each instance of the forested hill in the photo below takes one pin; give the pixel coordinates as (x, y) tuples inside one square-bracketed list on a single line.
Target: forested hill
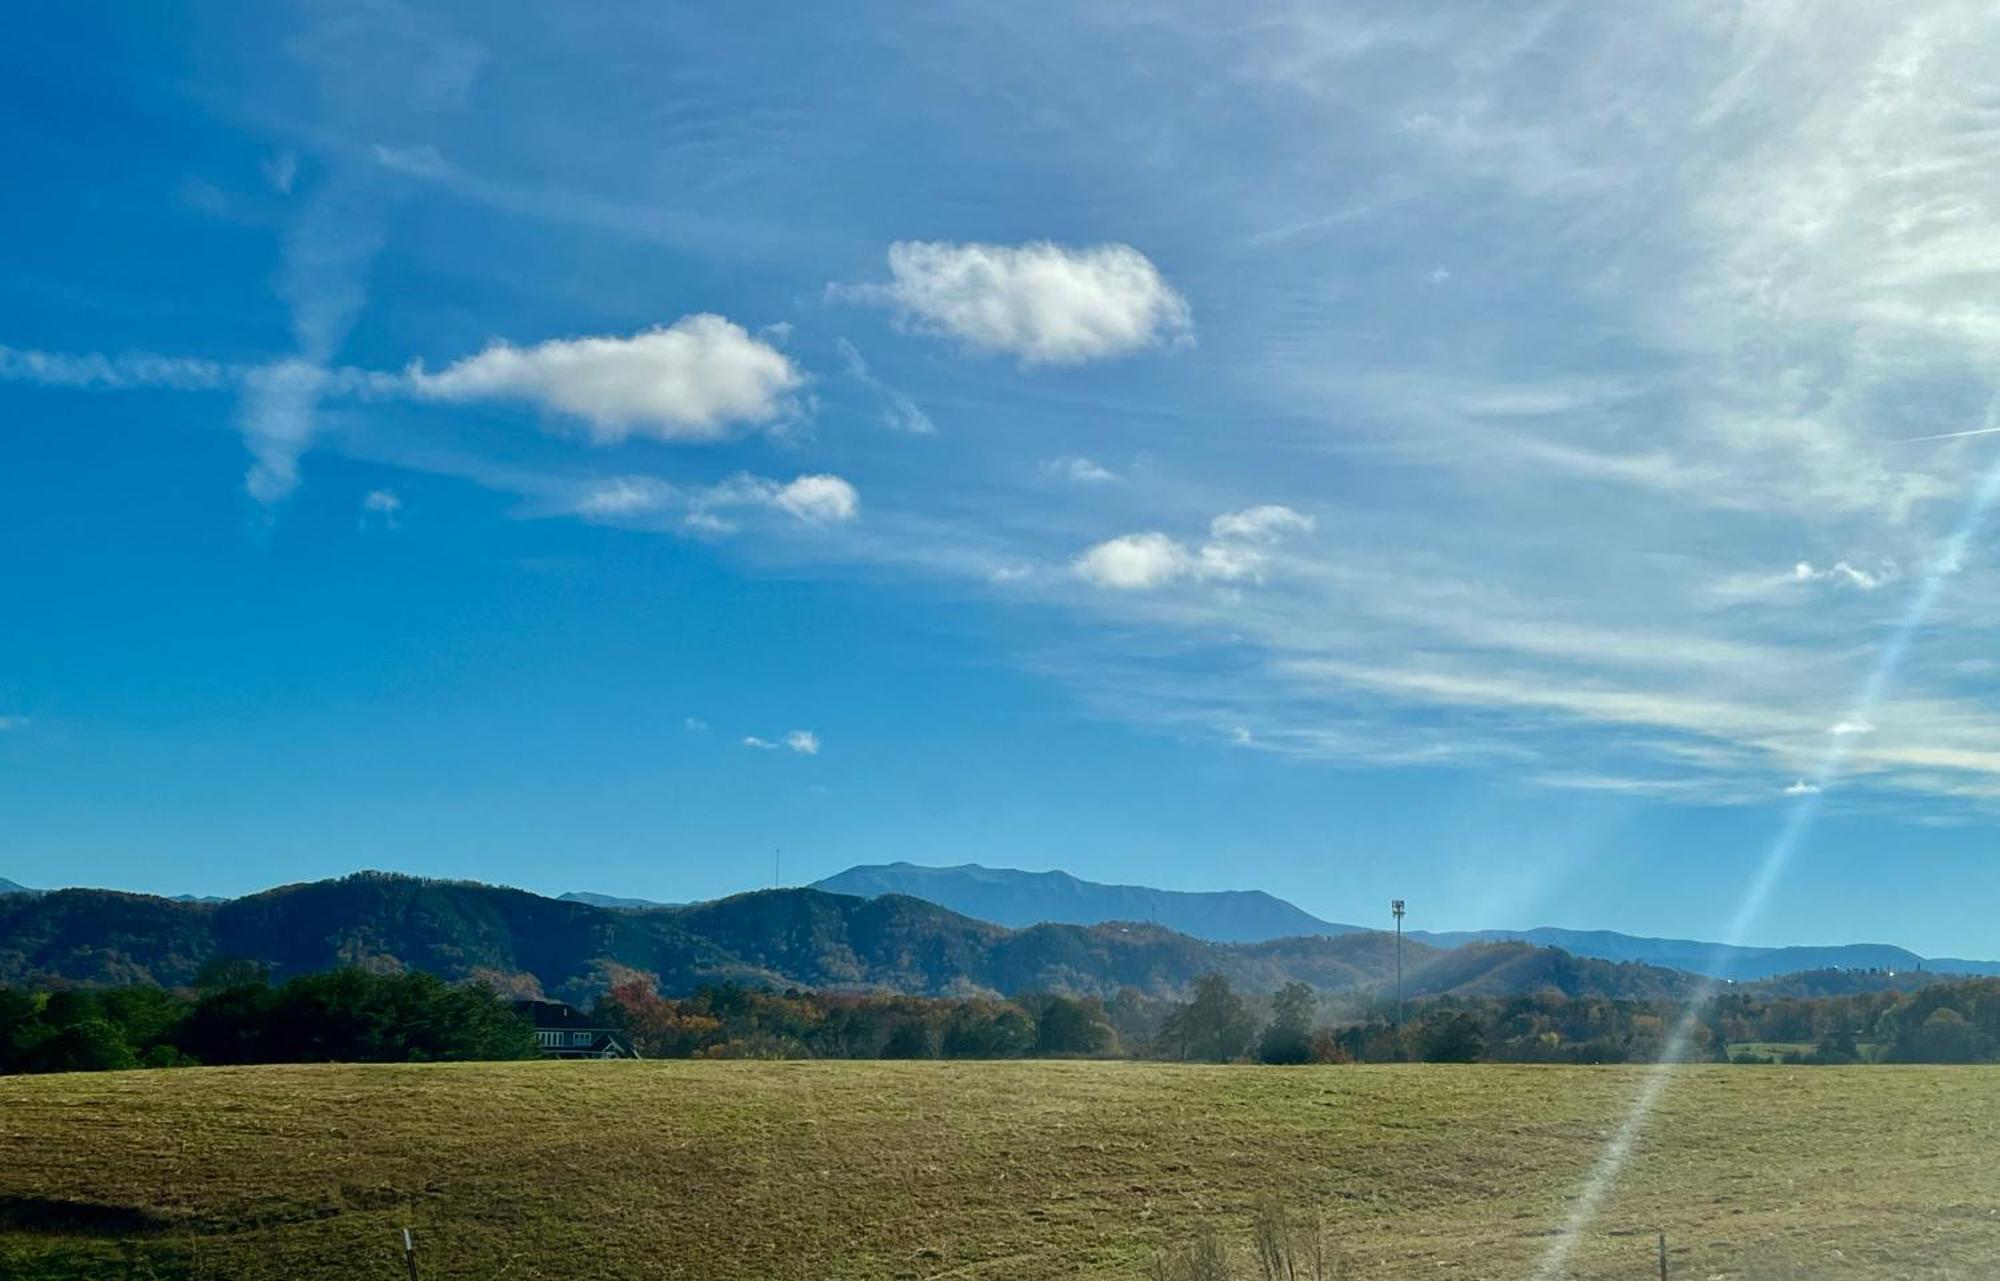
[(802, 937)]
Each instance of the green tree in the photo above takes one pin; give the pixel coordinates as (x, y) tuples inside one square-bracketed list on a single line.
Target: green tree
[(87, 1045), (1066, 1026), (1837, 1045), (910, 1040), (1288, 1038), (1456, 1039), (358, 1017), (987, 1030), (1214, 1026), (1946, 1037), (220, 972)]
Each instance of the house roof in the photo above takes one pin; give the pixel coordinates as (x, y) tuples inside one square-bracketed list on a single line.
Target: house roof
[(558, 1016)]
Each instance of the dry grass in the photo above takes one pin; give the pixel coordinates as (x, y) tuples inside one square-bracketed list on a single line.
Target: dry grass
[(976, 1171)]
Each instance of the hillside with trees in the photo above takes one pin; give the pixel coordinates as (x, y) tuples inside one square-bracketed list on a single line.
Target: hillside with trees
[(525, 944)]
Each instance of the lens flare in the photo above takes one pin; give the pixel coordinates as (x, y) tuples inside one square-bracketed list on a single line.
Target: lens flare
[(1798, 823)]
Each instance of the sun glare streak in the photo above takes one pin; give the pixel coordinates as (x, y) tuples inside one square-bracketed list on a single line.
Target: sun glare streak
[(1950, 435), (1798, 823)]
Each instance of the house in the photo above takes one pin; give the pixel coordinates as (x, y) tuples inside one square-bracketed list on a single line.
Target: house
[(566, 1032)]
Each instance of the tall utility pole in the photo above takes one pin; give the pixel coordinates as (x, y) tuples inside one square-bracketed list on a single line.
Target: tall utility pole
[(1396, 910), (777, 866)]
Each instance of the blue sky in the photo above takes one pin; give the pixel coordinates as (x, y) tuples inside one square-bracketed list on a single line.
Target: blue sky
[(1453, 452)]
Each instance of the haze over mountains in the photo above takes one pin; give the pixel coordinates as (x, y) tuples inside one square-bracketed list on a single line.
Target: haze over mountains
[(1012, 897)]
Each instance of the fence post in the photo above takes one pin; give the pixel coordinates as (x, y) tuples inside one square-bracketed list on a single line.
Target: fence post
[(1663, 1256), (410, 1254)]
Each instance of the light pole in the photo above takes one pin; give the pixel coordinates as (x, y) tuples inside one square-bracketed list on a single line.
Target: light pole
[(1396, 910)]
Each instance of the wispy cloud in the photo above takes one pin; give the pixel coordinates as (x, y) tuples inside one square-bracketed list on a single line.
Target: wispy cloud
[(802, 741), (381, 507), (322, 281), (1078, 470), (811, 500), (119, 373), (899, 412)]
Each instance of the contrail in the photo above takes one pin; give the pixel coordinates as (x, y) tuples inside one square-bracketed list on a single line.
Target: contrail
[(1611, 1162)]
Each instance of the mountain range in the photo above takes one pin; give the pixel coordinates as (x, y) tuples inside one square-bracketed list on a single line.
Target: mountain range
[(1020, 898), (1008, 897), (525, 943)]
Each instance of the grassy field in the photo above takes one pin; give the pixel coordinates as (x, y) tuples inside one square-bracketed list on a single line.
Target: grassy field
[(978, 1171)]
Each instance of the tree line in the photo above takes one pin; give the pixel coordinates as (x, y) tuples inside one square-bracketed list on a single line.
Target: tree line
[(1939, 1023), (235, 1015)]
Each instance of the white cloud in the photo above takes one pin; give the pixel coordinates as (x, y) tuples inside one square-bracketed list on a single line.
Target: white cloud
[(819, 499), (1769, 585), (802, 741), (1849, 728), (1228, 562), (1266, 522), (1134, 562), (694, 724), (697, 379), (1078, 470), (626, 496), (1801, 787), (1138, 562), (1042, 302), (1844, 574)]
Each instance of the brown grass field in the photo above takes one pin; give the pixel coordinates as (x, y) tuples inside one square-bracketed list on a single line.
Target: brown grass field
[(977, 1171)]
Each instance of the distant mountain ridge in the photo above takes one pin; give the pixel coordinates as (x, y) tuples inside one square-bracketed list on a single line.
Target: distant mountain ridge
[(1019, 899), (525, 943), (1720, 960), (15, 887), (611, 900)]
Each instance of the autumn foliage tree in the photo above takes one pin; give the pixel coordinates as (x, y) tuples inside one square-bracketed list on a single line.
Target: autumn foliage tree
[(658, 1028)]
